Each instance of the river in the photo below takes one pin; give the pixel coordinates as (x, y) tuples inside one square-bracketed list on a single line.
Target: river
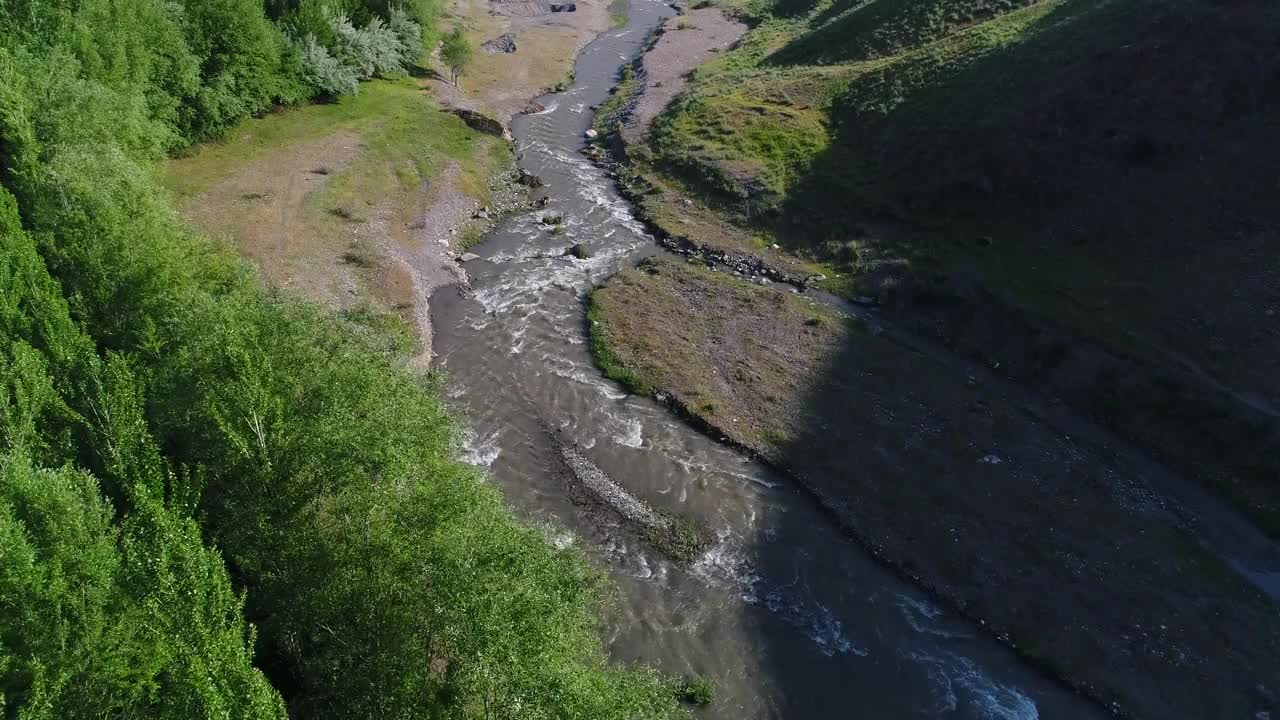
[(785, 614)]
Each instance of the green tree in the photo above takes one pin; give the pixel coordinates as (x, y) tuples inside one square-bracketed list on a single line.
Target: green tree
[(455, 52), (131, 621)]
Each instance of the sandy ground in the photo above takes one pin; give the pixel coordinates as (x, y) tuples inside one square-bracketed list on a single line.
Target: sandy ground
[(686, 42), (501, 84), (426, 260)]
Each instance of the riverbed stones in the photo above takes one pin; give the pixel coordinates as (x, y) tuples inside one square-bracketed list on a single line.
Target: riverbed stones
[(505, 43)]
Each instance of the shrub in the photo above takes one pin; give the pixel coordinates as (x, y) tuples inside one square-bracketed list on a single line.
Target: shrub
[(241, 57), (695, 689), (100, 619), (409, 35), (372, 51), (325, 73)]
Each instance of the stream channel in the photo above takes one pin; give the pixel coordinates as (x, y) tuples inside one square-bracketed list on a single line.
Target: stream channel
[(786, 615)]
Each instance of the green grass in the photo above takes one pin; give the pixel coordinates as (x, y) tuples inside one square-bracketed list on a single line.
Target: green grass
[(405, 140), (852, 30), (607, 360), (696, 689), (609, 115), (618, 17)]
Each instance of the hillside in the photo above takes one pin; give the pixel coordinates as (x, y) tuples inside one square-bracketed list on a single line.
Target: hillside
[(1050, 235), (1076, 191)]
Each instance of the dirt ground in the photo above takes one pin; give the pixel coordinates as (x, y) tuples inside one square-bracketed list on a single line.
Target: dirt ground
[(343, 206), (502, 84), (686, 42), (259, 207), (1076, 552)]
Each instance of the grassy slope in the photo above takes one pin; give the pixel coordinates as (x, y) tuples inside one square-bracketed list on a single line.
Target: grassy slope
[(406, 138), (799, 385), (378, 151), (1075, 139)]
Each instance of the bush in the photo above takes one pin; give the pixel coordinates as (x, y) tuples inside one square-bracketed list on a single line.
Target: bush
[(371, 51), (409, 36), (105, 620), (325, 73), (696, 690), (241, 57)]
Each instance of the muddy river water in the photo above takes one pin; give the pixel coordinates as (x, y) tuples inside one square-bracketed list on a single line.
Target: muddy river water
[(790, 618)]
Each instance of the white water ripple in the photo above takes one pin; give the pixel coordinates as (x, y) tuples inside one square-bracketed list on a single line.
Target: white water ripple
[(958, 680)]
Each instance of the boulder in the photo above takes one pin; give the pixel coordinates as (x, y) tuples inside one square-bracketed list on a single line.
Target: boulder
[(564, 7), (579, 251), (528, 179), (468, 257), (592, 134), (505, 43)]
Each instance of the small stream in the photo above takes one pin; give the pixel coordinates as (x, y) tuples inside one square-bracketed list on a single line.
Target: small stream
[(789, 618)]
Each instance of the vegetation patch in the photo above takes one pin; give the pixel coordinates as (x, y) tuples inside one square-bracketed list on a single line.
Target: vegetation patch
[(168, 404), (696, 690)]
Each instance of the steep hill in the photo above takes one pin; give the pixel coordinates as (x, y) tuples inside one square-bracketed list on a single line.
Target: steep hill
[(1077, 191)]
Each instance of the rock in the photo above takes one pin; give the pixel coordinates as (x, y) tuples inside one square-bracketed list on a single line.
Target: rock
[(563, 7), (533, 108), (528, 179), (505, 43), (468, 257), (479, 122), (592, 134), (579, 251), (991, 460), (481, 214)]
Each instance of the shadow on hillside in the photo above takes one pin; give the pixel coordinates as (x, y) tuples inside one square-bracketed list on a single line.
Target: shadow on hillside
[(846, 32), (1112, 172), (1060, 540), (1062, 543)]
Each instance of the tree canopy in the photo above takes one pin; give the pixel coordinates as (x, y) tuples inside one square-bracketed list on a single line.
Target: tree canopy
[(214, 500)]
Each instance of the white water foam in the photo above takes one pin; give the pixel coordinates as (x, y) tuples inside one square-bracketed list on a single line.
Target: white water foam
[(727, 564), (632, 433), (921, 614), (479, 451), (957, 678)]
